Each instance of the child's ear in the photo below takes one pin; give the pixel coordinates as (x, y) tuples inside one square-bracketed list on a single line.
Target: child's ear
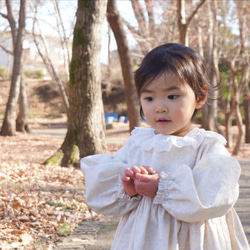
[(201, 101)]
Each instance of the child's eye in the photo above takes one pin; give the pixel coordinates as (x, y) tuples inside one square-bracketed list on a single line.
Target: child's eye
[(149, 99), (172, 97)]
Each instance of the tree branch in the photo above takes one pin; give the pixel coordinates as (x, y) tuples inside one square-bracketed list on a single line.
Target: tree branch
[(6, 50), (12, 21), (194, 12), (4, 15)]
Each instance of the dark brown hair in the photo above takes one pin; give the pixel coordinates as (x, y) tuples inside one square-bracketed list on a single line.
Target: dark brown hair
[(174, 58)]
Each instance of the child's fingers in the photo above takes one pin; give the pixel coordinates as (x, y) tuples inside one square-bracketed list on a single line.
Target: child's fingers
[(136, 169), (125, 178), (143, 170), (129, 172), (143, 177), (149, 170)]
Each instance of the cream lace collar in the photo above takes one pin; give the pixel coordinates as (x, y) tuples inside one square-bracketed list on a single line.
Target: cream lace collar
[(147, 139)]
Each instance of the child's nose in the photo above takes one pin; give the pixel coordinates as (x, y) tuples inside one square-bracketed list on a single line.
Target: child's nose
[(161, 107)]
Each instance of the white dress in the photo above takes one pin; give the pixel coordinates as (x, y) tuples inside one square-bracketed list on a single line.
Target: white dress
[(193, 207)]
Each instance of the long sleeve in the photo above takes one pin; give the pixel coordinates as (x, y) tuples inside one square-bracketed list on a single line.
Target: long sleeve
[(207, 191), (104, 190)]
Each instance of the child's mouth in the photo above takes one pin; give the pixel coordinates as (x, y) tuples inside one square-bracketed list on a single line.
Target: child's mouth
[(163, 121)]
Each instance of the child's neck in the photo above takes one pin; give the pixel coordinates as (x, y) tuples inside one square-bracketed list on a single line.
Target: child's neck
[(191, 128)]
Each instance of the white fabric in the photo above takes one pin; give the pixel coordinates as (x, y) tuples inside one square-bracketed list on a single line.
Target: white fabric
[(193, 207)]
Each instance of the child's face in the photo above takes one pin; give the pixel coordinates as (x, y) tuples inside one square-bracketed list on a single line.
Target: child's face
[(168, 105)]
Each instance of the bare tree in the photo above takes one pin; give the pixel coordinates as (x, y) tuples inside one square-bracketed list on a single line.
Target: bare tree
[(238, 87), (229, 53), (184, 22), (213, 71), (126, 64), (241, 11), (22, 124), (145, 35), (9, 123), (228, 110), (198, 28), (86, 127), (142, 35), (46, 55), (238, 62), (63, 38)]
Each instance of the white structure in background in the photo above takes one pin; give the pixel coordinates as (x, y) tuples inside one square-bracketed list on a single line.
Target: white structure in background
[(31, 57)]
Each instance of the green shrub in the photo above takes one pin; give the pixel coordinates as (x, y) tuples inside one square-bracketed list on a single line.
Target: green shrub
[(34, 73), (64, 229), (221, 119), (3, 71), (198, 117)]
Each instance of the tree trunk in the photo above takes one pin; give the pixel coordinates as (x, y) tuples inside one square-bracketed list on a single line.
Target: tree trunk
[(86, 127), (228, 126), (236, 104), (246, 104), (22, 118), (184, 22), (209, 59), (126, 64), (199, 31), (237, 87), (239, 123), (151, 17), (213, 66), (9, 122), (241, 11), (228, 111), (246, 100), (204, 121)]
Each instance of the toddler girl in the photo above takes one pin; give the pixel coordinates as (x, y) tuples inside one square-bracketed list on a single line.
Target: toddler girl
[(174, 185)]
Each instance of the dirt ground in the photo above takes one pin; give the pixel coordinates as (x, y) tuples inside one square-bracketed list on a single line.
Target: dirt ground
[(40, 205)]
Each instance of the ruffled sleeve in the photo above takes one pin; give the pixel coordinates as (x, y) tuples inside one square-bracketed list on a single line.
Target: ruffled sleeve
[(104, 190), (207, 190)]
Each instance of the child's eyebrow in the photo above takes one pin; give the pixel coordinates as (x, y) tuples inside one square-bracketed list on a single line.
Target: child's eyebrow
[(145, 90)]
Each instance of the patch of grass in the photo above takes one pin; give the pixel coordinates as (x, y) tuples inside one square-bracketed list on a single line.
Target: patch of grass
[(65, 208), (65, 229), (3, 71), (52, 203), (34, 73), (39, 243)]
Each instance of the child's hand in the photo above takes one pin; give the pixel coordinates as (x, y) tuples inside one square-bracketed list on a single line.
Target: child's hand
[(128, 182), (128, 179), (146, 181)]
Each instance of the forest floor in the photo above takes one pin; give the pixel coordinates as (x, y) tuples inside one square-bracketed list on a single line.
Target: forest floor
[(40, 205)]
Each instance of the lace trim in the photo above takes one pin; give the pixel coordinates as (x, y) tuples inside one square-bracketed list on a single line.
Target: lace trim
[(122, 195), (147, 139), (163, 188)]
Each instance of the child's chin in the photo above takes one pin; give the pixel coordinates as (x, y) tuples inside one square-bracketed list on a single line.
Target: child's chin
[(162, 132)]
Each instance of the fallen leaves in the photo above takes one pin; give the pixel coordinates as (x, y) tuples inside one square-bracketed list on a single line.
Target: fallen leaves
[(38, 204)]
